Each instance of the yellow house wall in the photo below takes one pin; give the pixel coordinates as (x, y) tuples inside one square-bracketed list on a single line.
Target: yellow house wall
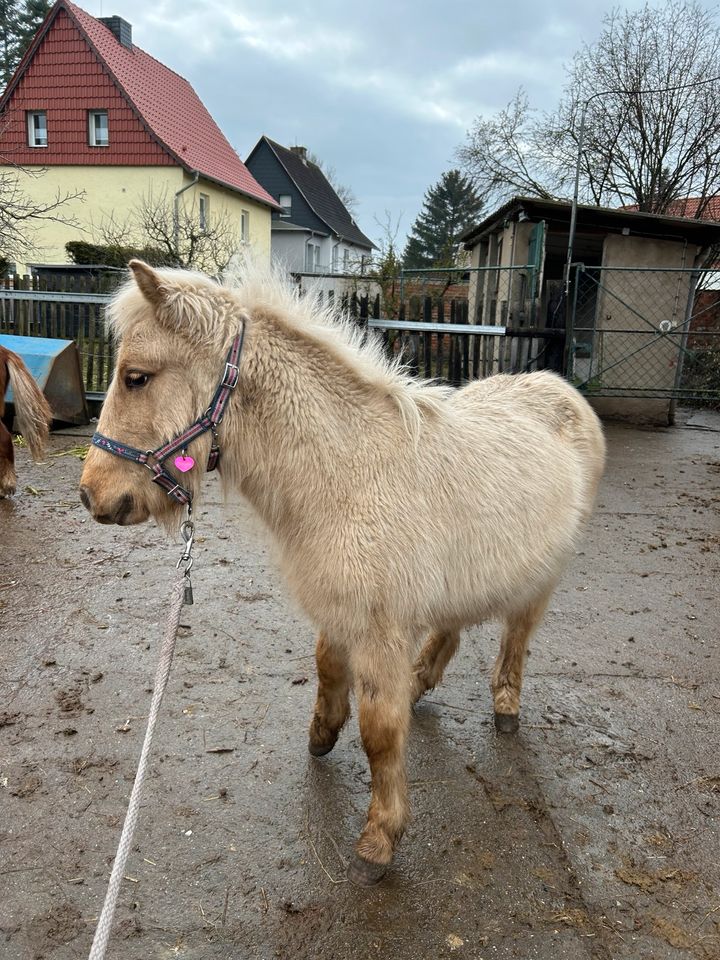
[(111, 193)]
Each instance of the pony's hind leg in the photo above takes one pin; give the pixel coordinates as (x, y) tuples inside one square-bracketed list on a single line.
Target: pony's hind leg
[(382, 685), (430, 665), (508, 673), (8, 479), (332, 706)]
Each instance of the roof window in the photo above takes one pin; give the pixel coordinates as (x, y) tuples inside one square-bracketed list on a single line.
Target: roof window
[(98, 132), (37, 128)]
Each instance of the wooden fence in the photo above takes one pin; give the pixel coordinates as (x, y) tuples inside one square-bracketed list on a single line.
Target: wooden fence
[(64, 307), (433, 336)]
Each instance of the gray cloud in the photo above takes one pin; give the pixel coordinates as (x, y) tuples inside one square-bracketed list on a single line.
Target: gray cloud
[(384, 93)]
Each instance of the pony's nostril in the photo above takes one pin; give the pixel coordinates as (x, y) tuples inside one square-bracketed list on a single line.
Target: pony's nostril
[(123, 508), (85, 498)]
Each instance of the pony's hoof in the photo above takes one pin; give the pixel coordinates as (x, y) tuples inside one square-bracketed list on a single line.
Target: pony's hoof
[(363, 873), (507, 722), (320, 749)]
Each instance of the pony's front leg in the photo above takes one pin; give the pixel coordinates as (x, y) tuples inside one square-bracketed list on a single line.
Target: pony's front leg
[(382, 682), (332, 706)]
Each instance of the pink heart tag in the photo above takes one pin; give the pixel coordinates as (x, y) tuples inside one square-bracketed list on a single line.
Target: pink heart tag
[(184, 463)]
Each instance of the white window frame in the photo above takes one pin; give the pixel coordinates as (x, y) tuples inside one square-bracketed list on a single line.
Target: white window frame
[(286, 211), (204, 211), (335, 257), (346, 260), (33, 140), (93, 138), (245, 226)]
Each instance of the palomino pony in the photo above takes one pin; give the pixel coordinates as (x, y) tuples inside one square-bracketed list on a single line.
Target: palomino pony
[(403, 511), (32, 412)]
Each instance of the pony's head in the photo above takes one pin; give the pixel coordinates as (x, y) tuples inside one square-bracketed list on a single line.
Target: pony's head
[(172, 328)]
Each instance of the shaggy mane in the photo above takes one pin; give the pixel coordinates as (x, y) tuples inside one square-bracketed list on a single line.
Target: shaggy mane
[(251, 288), (361, 350)]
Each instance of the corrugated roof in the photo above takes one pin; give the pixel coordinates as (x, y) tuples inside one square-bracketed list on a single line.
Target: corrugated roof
[(319, 193), (166, 103)]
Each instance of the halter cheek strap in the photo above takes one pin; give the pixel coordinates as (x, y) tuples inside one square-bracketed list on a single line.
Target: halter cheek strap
[(154, 459)]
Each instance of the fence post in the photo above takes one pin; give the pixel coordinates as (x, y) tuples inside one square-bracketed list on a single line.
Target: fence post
[(427, 338), (569, 352)]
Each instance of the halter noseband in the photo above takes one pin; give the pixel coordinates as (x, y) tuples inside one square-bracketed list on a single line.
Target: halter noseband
[(154, 459)]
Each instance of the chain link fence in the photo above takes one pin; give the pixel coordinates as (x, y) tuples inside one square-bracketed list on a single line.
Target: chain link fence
[(645, 332)]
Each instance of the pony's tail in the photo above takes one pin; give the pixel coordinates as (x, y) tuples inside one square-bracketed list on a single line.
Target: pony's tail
[(32, 410)]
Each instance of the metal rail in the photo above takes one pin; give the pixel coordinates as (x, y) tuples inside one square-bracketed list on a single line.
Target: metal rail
[(418, 327), (55, 296)]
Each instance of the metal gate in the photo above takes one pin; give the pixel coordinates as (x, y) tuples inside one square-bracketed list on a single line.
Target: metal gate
[(645, 332)]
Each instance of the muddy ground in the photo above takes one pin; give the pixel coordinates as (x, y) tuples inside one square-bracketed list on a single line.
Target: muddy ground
[(594, 833)]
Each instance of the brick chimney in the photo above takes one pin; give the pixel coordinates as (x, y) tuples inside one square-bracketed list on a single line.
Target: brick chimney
[(300, 152), (120, 29)]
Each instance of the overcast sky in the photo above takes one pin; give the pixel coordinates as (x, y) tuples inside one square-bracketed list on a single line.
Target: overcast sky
[(383, 92)]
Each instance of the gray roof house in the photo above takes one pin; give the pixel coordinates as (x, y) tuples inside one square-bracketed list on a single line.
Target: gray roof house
[(314, 232)]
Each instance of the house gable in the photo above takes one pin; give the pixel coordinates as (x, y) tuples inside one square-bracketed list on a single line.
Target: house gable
[(157, 117), (265, 166), (319, 208), (66, 79)]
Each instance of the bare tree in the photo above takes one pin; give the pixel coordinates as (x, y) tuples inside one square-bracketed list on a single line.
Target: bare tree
[(650, 93), (177, 230), (21, 213), (386, 265), (505, 153)]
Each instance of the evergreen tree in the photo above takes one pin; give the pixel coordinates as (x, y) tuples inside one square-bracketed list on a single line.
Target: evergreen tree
[(19, 22), (449, 207), (10, 14), (33, 14)]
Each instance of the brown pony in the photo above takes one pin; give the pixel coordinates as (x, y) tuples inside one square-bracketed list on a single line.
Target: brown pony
[(402, 511), (32, 412)]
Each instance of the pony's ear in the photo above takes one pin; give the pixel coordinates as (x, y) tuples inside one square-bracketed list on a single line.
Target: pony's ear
[(149, 281)]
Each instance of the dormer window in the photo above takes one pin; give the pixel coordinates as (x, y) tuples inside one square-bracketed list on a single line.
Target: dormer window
[(98, 128), (37, 128)]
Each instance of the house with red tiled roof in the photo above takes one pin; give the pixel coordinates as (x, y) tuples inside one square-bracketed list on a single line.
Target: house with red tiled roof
[(700, 208), (88, 112), (696, 208)]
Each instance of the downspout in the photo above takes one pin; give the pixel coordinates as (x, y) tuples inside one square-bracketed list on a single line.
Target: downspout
[(176, 209)]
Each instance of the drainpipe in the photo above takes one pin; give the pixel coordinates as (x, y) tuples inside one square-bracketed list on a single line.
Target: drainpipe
[(176, 209)]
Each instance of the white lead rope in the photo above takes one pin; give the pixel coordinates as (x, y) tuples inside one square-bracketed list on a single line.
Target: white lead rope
[(102, 932)]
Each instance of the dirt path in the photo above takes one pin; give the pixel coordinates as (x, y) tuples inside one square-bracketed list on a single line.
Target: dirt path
[(592, 834)]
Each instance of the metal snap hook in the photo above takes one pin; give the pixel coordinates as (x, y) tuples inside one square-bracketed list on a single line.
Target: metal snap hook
[(187, 532)]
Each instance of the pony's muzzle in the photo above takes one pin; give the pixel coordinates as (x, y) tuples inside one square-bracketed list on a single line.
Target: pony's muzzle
[(120, 511)]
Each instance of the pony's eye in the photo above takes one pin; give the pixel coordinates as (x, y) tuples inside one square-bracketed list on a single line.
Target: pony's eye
[(133, 380)]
